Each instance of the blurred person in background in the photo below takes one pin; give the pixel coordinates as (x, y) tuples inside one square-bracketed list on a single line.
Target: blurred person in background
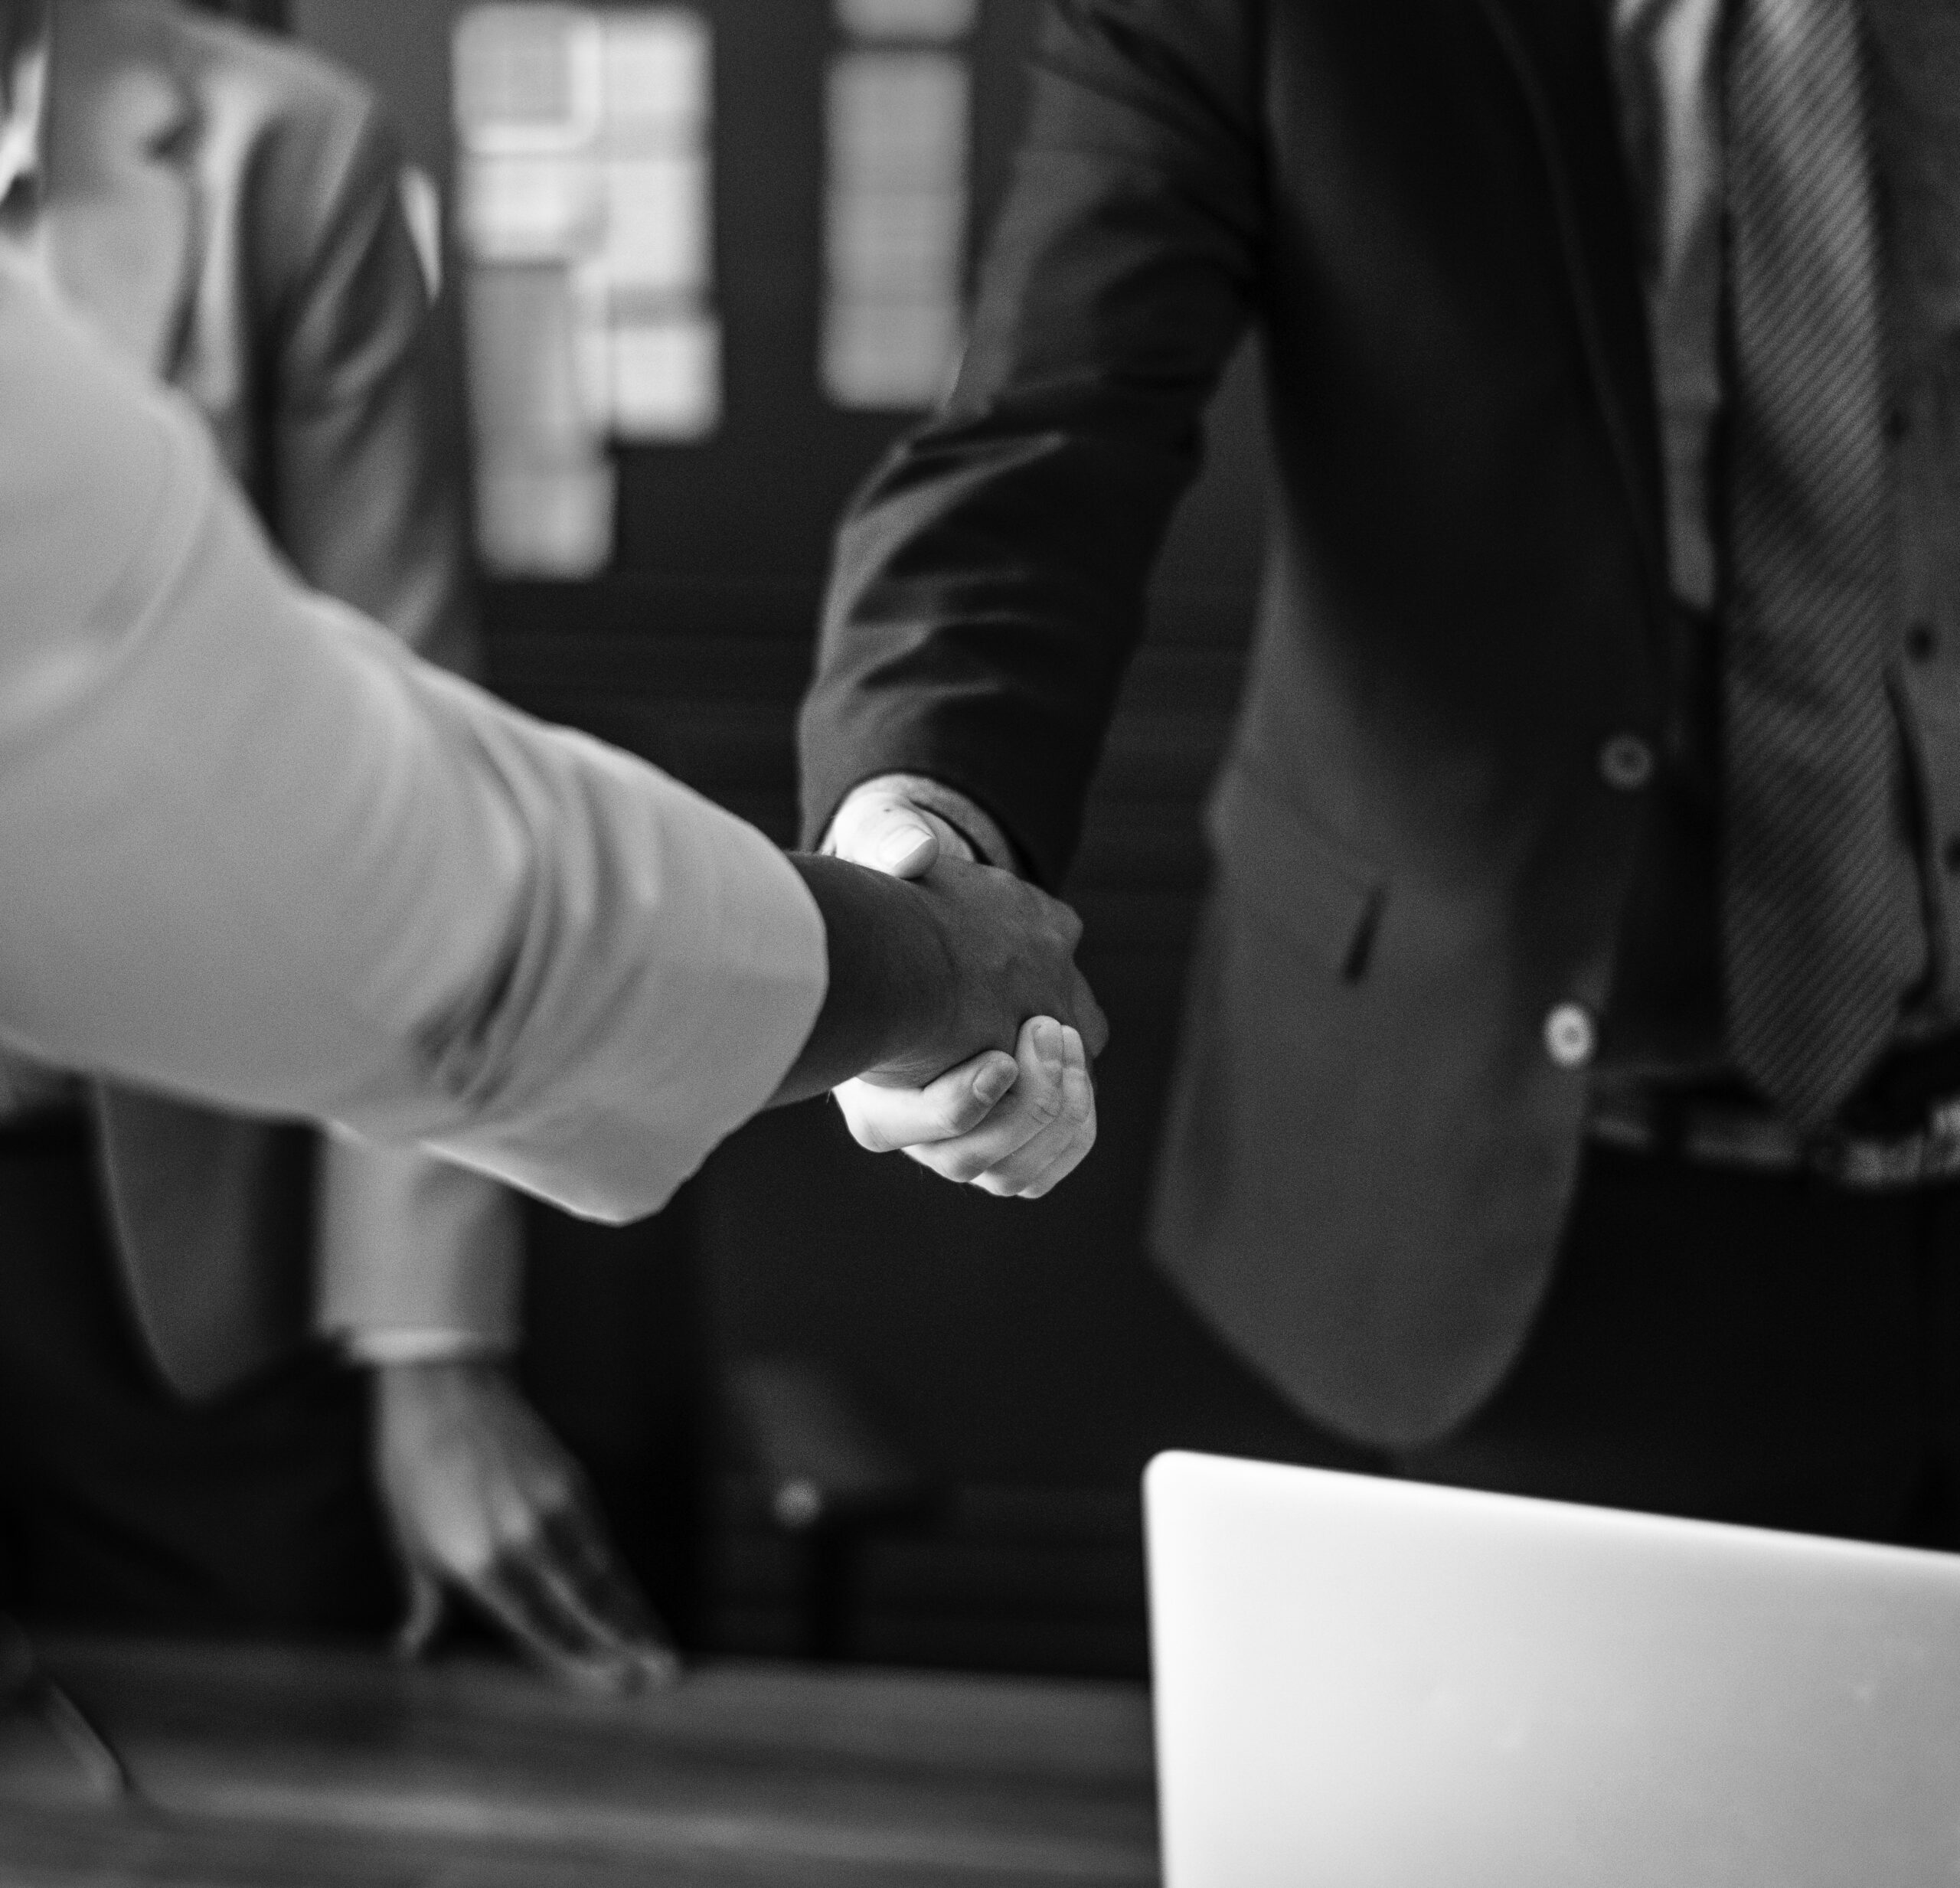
[(252, 1376)]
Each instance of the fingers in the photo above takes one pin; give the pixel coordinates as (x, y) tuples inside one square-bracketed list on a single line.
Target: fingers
[(593, 1585), (1047, 1158), (884, 1119), (425, 1613), (887, 832), (1031, 1107), (1020, 1147), (1040, 1134), (559, 1592), (518, 1596), (483, 1500)]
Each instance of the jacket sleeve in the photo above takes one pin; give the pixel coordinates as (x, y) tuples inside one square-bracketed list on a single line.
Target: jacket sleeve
[(364, 483), (258, 855), (365, 497), (989, 579)]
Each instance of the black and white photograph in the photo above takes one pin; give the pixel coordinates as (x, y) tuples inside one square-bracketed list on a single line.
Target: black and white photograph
[(979, 943)]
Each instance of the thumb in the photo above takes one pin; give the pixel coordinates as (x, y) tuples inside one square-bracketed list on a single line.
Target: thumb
[(903, 842), (424, 1615), (887, 833)]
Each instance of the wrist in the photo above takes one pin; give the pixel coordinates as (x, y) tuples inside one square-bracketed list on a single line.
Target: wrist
[(890, 966)]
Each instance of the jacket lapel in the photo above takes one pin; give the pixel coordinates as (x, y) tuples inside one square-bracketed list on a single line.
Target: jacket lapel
[(120, 229), (1558, 49)]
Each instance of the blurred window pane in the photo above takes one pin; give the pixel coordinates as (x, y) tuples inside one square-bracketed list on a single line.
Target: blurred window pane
[(541, 520), (530, 209), (527, 78), (889, 354), (655, 78), (656, 236), (908, 19), (895, 218), (906, 246), (585, 218), (898, 121), (666, 378), (526, 398)]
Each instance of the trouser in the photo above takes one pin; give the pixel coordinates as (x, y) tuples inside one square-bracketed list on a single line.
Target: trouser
[(123, 1506), (1755, 1347)]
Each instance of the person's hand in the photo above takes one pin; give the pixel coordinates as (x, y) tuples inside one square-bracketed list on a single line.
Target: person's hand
[(927, 973), (1015, 1131), (1006, 952), (884, 828), (1013, 1126), (482, 1499)]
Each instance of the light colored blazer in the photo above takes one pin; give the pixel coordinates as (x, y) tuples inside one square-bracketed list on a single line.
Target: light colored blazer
[(253, 852), (226, 208)]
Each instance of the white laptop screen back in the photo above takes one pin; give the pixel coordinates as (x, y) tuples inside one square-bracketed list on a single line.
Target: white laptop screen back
[(1365, 1684)]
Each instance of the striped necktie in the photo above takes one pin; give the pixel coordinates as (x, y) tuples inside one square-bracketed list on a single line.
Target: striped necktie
[(1817, 948)]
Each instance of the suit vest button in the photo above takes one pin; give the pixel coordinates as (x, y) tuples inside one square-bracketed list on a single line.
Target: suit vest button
[(1626, 763), (1570, 1038)]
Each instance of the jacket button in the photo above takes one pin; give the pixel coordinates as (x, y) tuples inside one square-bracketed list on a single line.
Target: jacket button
[(1626, 763), (1570, 1038)]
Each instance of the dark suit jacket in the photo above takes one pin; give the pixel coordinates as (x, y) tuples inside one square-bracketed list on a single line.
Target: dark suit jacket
[(1422, 208), (227, 207)]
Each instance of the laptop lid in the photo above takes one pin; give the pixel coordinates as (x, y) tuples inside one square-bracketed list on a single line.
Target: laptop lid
[(1373, 1683)]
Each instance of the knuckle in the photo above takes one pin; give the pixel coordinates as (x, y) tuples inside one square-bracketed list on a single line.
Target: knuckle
[(869, 1137), (522, 1529), (931, 1155), (961, 1114), (864, 1126)]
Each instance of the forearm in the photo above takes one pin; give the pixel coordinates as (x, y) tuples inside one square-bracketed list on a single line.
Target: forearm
[(888, 973), (263, 858)]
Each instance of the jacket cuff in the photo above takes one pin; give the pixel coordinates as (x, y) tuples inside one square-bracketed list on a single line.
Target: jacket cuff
[(413, 1250)]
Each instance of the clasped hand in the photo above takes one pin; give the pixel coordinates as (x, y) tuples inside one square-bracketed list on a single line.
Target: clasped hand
[(1014, 1125)]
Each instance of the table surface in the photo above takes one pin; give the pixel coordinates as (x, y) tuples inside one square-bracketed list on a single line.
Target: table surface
[(258, 1766)]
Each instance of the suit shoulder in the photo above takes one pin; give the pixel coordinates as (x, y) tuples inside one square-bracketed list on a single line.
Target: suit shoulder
[(1199, 62), (274, 87)]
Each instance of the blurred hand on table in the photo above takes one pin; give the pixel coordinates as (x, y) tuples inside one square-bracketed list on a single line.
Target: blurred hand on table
[(483, 1500)]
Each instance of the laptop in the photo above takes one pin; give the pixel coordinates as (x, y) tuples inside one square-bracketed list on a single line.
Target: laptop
[(1373, 1683)]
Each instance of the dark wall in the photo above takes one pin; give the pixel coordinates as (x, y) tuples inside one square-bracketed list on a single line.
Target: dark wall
[(1029, 1355)]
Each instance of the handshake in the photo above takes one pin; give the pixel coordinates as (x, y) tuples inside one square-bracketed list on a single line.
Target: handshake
[(956, 1026)]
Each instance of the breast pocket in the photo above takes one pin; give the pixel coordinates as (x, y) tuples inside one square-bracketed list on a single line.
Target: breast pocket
[(1292, 875)]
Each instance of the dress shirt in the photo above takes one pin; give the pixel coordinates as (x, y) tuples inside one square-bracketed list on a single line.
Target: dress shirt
[(364, 891), (1668, 66)]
